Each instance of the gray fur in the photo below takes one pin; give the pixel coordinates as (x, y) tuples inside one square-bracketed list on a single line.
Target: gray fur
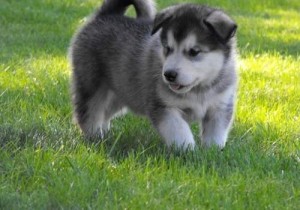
[(117, 63)]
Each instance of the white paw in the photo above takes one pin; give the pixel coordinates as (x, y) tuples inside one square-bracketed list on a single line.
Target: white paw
[(219, 141), (176, 131)]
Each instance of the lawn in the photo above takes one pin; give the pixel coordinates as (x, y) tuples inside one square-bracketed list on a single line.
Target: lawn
[(45, 163)]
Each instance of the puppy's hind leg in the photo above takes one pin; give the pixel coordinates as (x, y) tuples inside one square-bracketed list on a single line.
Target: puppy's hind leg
[(174, 129), (114, 108), (90, 114)]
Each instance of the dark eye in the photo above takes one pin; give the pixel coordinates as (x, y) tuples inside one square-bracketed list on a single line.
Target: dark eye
[(167, 50), (193, 52)]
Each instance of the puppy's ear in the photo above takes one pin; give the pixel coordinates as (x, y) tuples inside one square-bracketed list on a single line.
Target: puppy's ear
[(162, 18), (221, 25)]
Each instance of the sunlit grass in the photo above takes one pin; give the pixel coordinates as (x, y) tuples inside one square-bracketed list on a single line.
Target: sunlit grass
[(269, 87), (46, 163), (273, 30)]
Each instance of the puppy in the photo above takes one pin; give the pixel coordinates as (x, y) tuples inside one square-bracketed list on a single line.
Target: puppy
[(175, 67)]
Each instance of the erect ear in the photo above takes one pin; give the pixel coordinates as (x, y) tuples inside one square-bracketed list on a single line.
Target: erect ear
[(162, 18), (221, 24)]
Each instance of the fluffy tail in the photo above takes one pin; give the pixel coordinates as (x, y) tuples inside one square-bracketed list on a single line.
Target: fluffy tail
[(144, 8)]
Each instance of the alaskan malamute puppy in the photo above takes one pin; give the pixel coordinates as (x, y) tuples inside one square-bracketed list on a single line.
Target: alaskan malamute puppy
[(175, 67)]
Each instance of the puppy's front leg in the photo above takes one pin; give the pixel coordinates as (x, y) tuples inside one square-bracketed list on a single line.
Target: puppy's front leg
[(175, 130), (216, 125)]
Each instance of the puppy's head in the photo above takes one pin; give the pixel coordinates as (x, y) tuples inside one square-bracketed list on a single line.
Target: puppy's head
[(196, 42)]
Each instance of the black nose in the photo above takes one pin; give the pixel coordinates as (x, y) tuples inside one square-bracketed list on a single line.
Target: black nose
[(170, 75)]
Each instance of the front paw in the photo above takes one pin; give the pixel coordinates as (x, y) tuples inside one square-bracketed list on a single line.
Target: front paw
[(210, 141), (176, 131)]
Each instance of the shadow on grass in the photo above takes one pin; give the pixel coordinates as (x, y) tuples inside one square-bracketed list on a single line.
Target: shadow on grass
[(34, 29), (247, 152)]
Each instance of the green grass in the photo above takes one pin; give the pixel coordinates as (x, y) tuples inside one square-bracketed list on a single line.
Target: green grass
[(46, 164)]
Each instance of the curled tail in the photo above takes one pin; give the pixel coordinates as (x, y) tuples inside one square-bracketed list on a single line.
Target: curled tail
[(143, 8)]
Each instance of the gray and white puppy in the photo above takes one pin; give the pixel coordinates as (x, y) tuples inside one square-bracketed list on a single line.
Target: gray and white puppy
[(174, 68)]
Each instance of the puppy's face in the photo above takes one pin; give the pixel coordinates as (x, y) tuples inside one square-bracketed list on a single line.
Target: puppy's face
[(195, 45), (189, 62)]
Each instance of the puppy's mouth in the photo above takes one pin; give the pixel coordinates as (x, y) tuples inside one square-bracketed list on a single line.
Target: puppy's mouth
[(177, 88)]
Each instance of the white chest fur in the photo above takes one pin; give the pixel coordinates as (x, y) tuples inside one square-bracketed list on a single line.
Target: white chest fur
[(194, 106)]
